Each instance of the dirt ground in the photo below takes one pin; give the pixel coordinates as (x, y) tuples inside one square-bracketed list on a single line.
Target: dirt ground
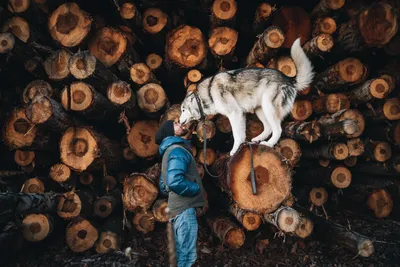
[(151, 250)]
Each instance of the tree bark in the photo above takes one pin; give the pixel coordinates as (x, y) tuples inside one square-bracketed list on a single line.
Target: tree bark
[(139, 192), (309, 131), (227, 232), (266, 46), (82, 148), (325, 7), (141, 138)]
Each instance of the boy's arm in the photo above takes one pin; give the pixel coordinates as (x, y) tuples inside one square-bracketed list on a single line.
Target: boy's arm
[(178, 161)]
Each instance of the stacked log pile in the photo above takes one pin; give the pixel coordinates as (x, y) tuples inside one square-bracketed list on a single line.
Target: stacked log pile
[(86, 89)]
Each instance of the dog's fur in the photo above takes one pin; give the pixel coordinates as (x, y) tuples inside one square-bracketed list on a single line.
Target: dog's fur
[(234, 93)]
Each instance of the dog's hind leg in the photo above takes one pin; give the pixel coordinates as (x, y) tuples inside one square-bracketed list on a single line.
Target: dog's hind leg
[(238, 123), (273, 120), (267, 128)]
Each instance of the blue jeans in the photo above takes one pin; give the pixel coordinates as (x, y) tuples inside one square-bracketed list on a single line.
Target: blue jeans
[(185, 231)]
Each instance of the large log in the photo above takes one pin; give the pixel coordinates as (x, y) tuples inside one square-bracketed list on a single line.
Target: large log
[(69, 24), (302, 130), (332, 176), (152, 98), (378, 151), (141, 138), (374, 26), (338, 118), (284, 218), (344, 73), (56, 65), (160, 210), (81, 148), (16, 49), (223, 13), (36, 227), (272, 177), (325, 7), (186, 47), (284, 64), (81, 235), (301, 110), (227, 232), (330, 151), (266, 46), (371, 90), (139, 192)]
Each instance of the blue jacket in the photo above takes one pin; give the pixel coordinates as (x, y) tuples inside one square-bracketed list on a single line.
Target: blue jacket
[(178, 162)]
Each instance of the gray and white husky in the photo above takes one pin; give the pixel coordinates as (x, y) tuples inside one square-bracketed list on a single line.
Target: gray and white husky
[(234, 93)]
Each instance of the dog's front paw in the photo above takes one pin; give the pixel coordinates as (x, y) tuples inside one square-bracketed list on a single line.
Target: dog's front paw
[(264, 143)]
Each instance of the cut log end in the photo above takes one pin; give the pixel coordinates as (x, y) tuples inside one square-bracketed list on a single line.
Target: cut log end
[(154, 20), (77, 97), (355, 146), (144, 221), (379, 88), (18, 27), (107, 242), (109, 182), (341, 177), (82, 65), (358, 118), (272, 177), (224, 9), (57, 65), (211, 156), (380, 202), (18, 130), (78, 148), (160, 210), (141, 73), (108, 45), (128, 10), (141, 138), (81, 235), (151, 98), (172, 113), (324, 42), (325, 25), (18, 6), (391, 109), (86, 178), (301, 110), (223, 124), (318, 196), (351, 70), (128, 154), (39, 110), (23, 157), (223, 40), (36, 227), (139, 192), (382, 151), (350, 161), (119, 92), (69, 206), (103, 207), (60, 173), (36, 88), (305, 228), (284, 64), (251, 221), (288, 220), (209, 127), (229, 234), (69, 24), (290, 150), (32, 186), (154, 61), (264, 10), (186, 46)]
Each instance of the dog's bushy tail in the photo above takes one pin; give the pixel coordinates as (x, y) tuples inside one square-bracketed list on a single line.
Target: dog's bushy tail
[(304, 67)]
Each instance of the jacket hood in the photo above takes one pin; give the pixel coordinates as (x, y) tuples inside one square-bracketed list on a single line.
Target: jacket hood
[(171, 140)]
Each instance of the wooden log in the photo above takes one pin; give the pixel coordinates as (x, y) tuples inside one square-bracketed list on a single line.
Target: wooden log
[(318, 196), (156, 23), (62, 174), (172, 113), (152, 99), (301, 110), (29, 10), (15, 49), (371, 90), (344, 73), (319, 45), (33, 185), (35, 66), (110, 236), (129, 12), (81, 235), (156, 64), (330, 121), (268, 166), (185, 47), (390, 168), (330, 151), (344, 128), (141, 138), (325, 7), (109, 183), (262, 17), (284, 218), (71, 205), (81, 148), (350, 161), (249, 220), (223, 124), (84, 66), (303, 130), (159, 210), (332, 176), (104, 206), (330, 103), (355, 146), (17, 204), (69, 24), (210, 130), (86, 178), (36, 88), (48, 113), (392, 47), (374, 26), (388, 132), (266, 46), (305, 228), (290, 150), (388, 110), (56, 65), (141, 74), (324, 25), (121, 95), (254, 126), (223, 13), (36, 227), (334, 233), (284, 64), (377, 151), (24, 157), (18, 27), (227, 232), (153, 173), (193, 76), (295, 22), (144, 221), (211, 156), (222, 42), (83, 99), (139, 192)]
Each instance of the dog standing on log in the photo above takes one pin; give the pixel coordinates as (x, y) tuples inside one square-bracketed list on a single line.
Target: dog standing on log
[(234, 93)]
